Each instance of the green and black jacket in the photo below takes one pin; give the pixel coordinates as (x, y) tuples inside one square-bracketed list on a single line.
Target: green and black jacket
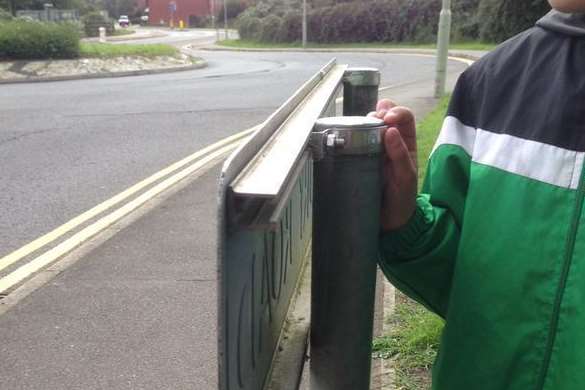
[(497, 243)]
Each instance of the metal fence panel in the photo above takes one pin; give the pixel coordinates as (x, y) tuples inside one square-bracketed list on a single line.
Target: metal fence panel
[(262, 270), (261, 258)]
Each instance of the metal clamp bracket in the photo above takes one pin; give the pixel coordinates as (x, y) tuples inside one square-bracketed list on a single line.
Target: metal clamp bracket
[(350, 135)]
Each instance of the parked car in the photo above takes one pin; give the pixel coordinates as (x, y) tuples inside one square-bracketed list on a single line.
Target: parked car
[(123, 21)]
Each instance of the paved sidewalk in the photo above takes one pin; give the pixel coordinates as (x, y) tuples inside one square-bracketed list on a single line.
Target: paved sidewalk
[(137, 312)]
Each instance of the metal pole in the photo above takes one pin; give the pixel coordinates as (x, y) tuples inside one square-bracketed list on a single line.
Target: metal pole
[(225, 19), (443, 48), (346, 223), (304, 23), (213, 23), (360, 91)]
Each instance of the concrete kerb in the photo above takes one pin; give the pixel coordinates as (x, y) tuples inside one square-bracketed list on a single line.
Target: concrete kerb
[(469, 55), (198, 64), (128, 37), (133, 37)]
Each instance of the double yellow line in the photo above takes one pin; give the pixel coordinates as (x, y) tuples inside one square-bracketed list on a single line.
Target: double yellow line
[(178, 171)]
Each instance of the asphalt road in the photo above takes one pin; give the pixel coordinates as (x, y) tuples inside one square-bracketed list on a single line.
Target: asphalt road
[(66, 146)]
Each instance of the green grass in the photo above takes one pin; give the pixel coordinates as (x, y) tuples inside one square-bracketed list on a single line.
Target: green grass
[(123, 31), (108, 50), (246, 44), (427, 132), (412, 344), (415, 332)]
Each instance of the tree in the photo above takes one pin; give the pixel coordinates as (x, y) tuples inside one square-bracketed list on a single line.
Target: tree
[(18, 5), (120, 7)]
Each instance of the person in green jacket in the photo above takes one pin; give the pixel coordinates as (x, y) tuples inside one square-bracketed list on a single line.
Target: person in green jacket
[(495, 241)]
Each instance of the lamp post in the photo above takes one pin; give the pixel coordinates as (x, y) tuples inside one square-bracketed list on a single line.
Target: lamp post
[(225, 24), (304, 23), (213, 22), (443, 48)]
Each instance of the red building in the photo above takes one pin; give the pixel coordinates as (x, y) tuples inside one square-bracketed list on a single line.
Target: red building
[(170, 12)]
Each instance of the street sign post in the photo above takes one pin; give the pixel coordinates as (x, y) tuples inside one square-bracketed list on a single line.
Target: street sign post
[(172, 10), (265, 230)]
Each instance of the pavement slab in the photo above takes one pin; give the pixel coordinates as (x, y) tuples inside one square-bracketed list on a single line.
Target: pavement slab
[(138, 312)]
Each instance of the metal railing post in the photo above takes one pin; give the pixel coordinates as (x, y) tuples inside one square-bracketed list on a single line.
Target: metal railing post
[(346, 211), (360, 91)]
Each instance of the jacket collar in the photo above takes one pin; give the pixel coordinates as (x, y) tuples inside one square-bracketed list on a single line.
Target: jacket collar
[(569, 24)]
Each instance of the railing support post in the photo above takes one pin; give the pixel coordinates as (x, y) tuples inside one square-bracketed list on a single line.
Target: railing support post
[(360, 91), (346, 211)]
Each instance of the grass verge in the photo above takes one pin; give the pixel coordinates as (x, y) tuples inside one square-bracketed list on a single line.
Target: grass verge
[(427, 131), (123, 31), (246, 44), (413, 340), (108, 50)]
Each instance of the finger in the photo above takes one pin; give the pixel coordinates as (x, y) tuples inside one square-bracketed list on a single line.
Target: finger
[(400, 117), (403, 168), (403, 119), (385, 105)]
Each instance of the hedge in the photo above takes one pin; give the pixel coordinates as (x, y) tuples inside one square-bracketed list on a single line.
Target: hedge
[(21, 39), (249, 27), (5, 15), (501, 19), (378, 20), (93, 21), (389, 21)]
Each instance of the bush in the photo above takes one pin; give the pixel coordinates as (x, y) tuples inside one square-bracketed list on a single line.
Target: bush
[(249, 27), (465, 24), (199, 21), (35, 40), (375, 21), (370, 21), (502, 19), (291, 27), (265, 8), (234, 8), (270, 29), (390, 20), (93, 21), (5, 15)]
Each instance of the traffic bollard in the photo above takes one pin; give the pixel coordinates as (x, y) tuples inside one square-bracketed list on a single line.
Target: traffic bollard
[(348, 154), (102, 34), (360, 91)]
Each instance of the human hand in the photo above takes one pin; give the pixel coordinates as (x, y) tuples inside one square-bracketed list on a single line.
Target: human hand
[(400, 164)]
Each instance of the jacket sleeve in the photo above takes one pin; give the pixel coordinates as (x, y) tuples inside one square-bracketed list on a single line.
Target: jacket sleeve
[(419, 258)]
